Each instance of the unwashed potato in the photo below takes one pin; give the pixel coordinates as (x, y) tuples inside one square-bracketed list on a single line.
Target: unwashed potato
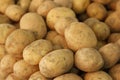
[(115, 72), (14, 12), (18, 40), (79, 35), (45, 7), (86, 58), (68, 76), (96, 10), (62, 23), (5, 30), (100, 44), (34, 52), (2, 51), (114, 37), (4, 4), (56, 13), (99, 75), (111, 54), (4, 19), (34, 22), (24, 70), (79, 6), (56, 63), (103, 1)]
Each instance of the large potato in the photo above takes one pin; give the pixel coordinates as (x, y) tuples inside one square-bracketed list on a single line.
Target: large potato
[(2, 51), (34, 22), (4, 19), (79, 35), (114, 37), (57, 13), (56, 63)]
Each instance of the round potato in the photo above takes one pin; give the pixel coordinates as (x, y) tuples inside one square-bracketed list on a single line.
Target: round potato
[(56, 63), (111, 54), (5, 30), (79, 35), (34, 22), (4, 19), (86, 58), (103, 1), (68, 76), (114, 37), (18, 40), (2, 51), (56, 13)]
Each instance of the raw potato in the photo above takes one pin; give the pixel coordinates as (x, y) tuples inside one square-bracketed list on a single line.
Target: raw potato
[(68, 76), (115, 72), (4, 19), (79, 6), (14, 12), (111, 54), (34, 52), (37, 76), (114, 37), (24, 70), (12, 77), (45, 7), (118, 6), (96, 10), (64, 3), (118, 42), (99, 75), (79, 35), (2, 51), (86, 58), (62, 23), (3, 75), (18, 40), (5, 30), (4, 4), (56, 63), (51, 35), (56, 13), (103, 1), (34, 22)]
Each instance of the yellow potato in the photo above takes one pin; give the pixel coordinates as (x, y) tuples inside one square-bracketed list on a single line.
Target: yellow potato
[(114, 37), (4, 19), (2, 51)]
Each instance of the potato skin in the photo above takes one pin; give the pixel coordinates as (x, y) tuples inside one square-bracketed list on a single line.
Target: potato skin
[(2, 51), (56, 63)]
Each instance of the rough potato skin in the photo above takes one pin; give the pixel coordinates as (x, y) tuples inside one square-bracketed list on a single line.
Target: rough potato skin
[(56, 63)]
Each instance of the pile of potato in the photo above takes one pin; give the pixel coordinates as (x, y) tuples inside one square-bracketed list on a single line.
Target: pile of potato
[(59, 39)]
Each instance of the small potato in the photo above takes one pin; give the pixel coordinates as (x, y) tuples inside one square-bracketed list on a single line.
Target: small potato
[(100, 44), (14, 12), (56, 13), (115, 72), (34, 22), (79, 6), (96, 10), (56, 63), (2, 51), (103, 1), (86, 58), (5, 30), (23, 70), (62, 23), (111, 54), (4, 19), (68, 76), (99, 75), (45, 7), (18, 40), (33, 53), (79, 35), (114, 37)]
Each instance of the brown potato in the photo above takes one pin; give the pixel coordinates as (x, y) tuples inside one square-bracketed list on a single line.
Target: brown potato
[(2, 51), (111, 54), (34, 22), (103, 1), (4, 19), (56, 63), (79, 35), (114, 37)]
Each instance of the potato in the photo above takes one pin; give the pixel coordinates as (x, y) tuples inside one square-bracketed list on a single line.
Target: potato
[(114, 37), (2, 51), (18, 40), (34, 22), (23, 70), (5, 30), (112, 4), (33, 53), (51, 35), (97, 10), (111, 54), (86, 58), (115, 72), (14, 12), (79, 6), (118, 42), (64, 3), (4, 4), (56, 63), (99, 75), (100, 44), (118, 6), (62, 23), (45, 7), (68, 76), (3, 75), (37, 76), (79, 35), (103, 1), (56, 13), (4, 19)]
